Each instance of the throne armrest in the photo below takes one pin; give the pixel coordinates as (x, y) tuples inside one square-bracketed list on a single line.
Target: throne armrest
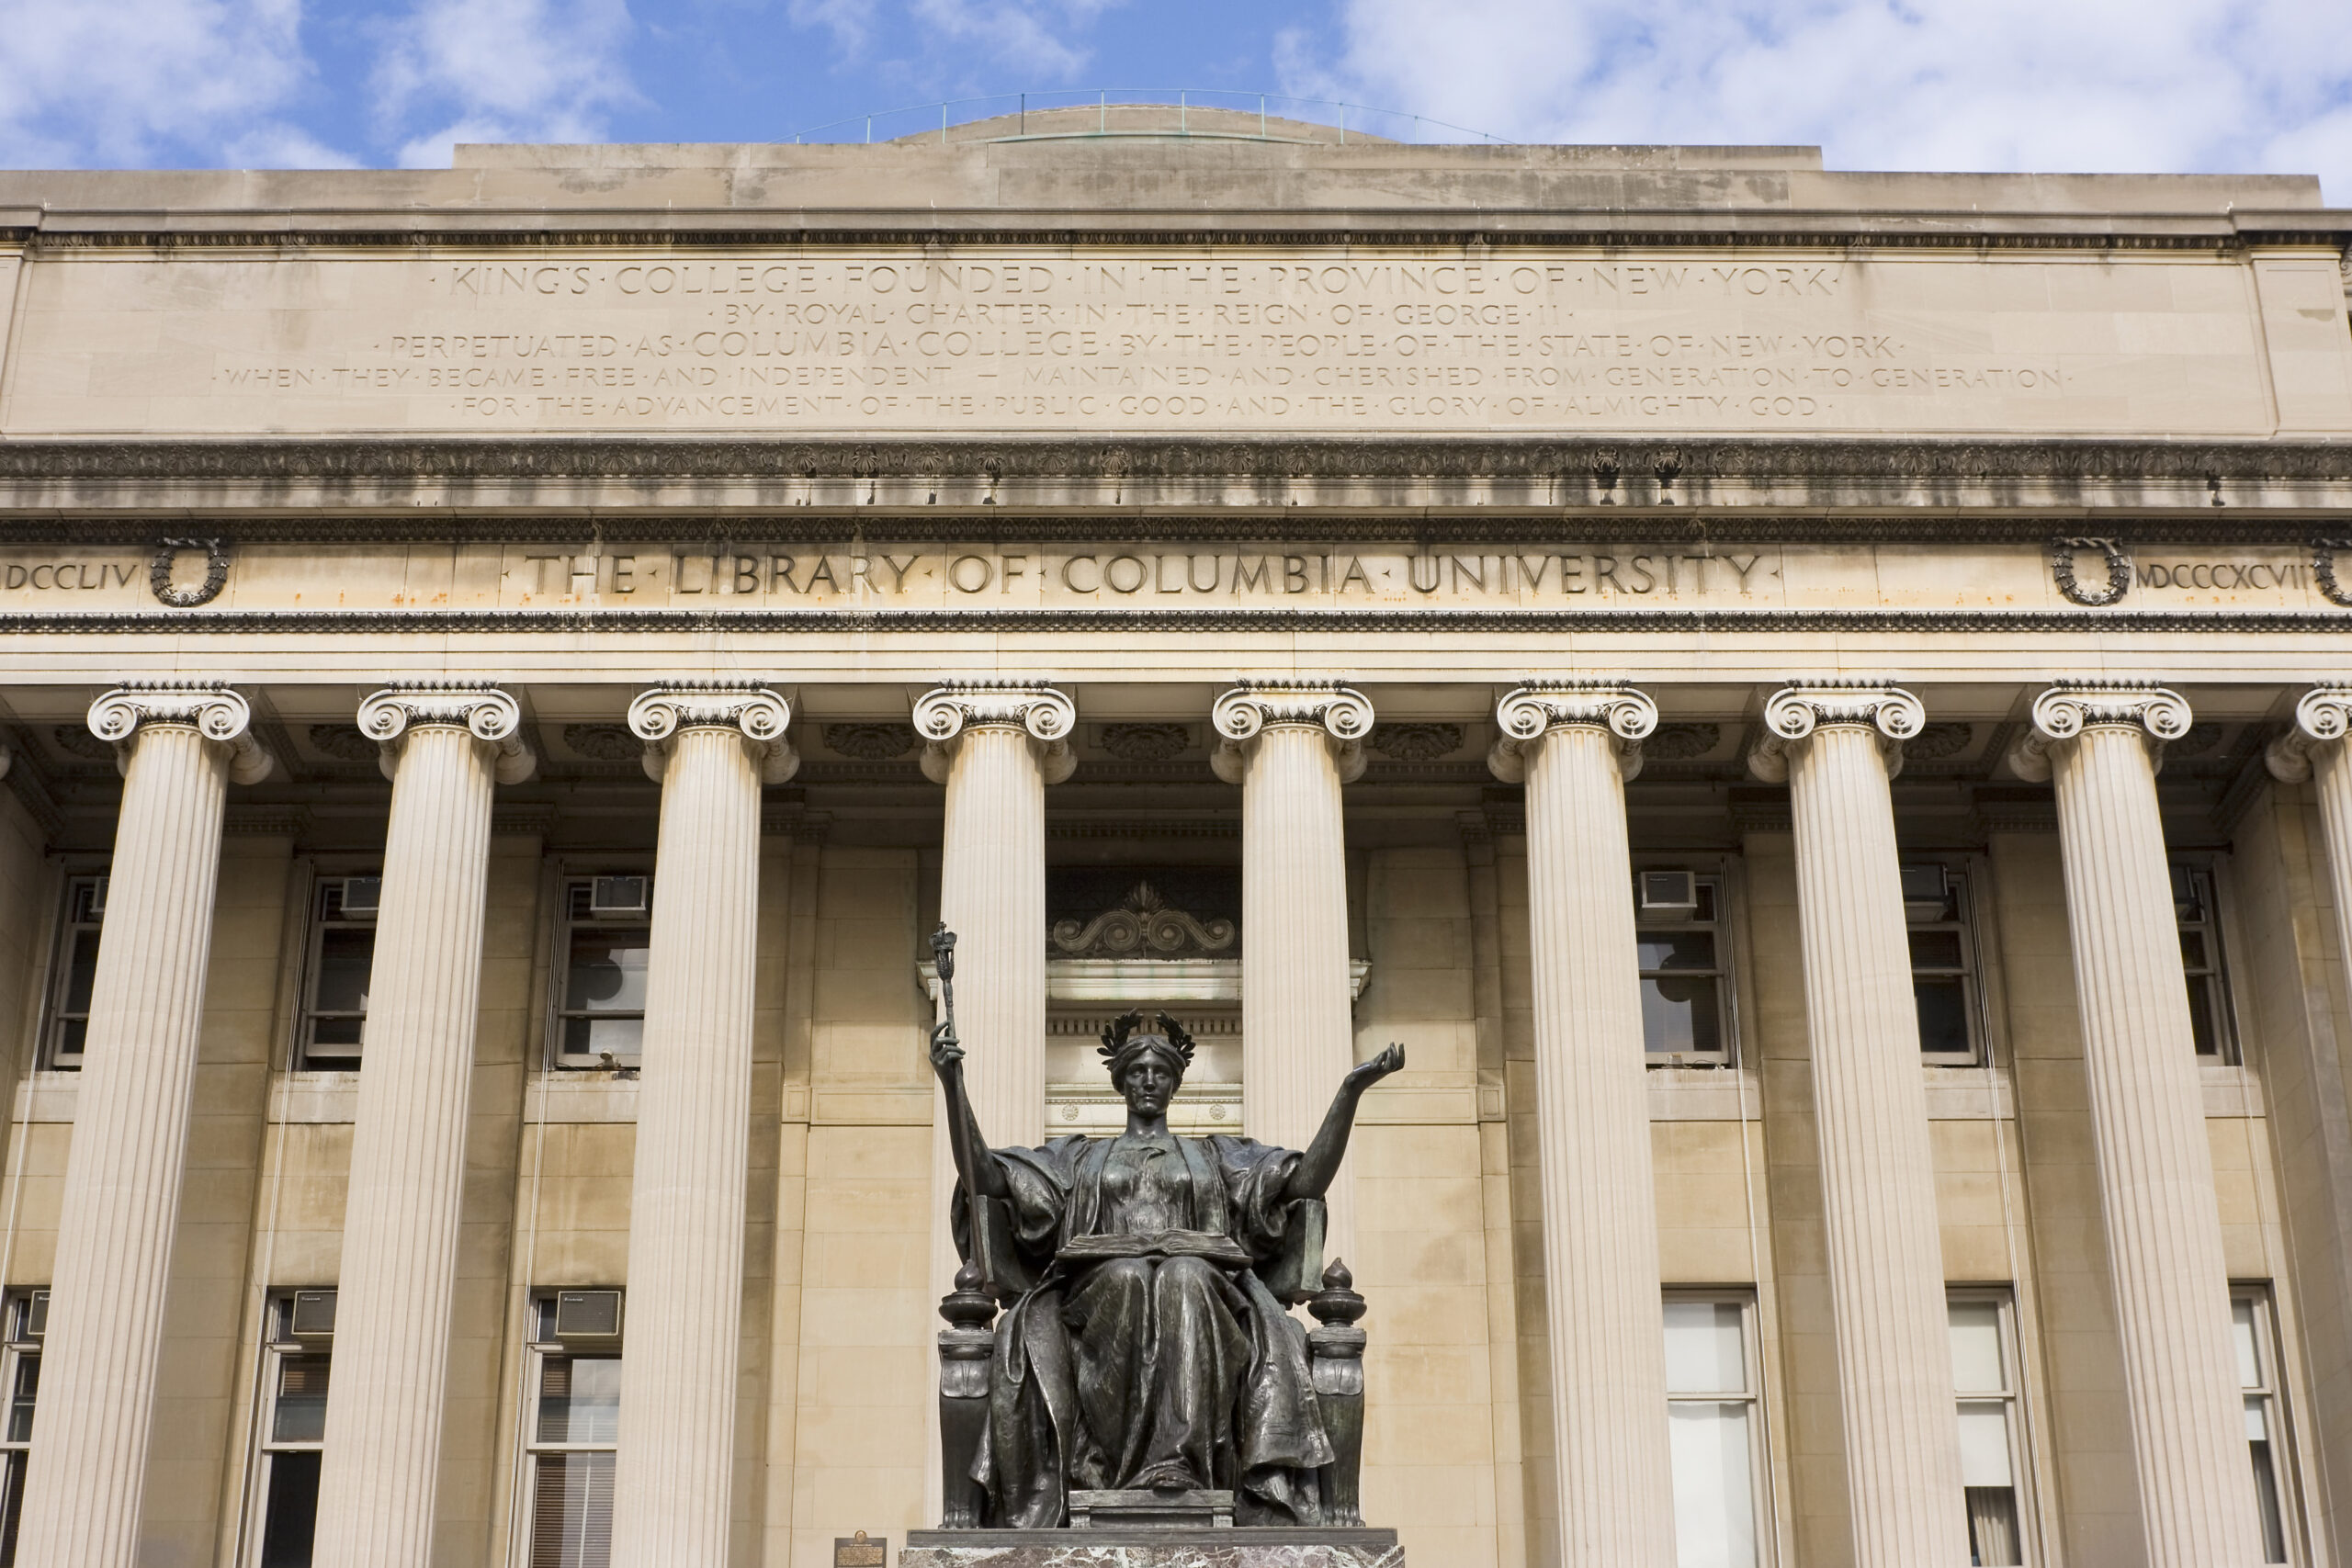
[(1296, 1270)]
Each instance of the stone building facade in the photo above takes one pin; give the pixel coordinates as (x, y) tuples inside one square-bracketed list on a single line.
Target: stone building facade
[(1812, 705)]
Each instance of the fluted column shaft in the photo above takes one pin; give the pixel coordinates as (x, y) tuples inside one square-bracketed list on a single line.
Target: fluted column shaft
[(673, 1482), (2156, 1168), (123, 1173), (381, 1461), (1878, 1191), (1297, 1007), (1608, 1413)]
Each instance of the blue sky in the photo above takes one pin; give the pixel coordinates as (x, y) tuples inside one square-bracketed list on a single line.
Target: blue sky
[(2054, 85)]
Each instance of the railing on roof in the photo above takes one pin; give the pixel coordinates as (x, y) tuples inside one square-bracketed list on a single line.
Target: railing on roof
[(1278, 116)]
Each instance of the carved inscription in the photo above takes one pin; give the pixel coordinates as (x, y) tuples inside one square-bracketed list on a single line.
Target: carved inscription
[(1339, 342)]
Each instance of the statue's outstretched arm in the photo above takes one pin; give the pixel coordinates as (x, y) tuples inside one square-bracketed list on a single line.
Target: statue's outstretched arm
[(980, 1174), (1312, 1176)]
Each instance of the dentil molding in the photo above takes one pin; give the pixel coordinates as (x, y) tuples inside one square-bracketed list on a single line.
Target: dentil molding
[(215, 712), (759, 713), (2065, 710), (492, 716), (1526, 714), (1244, 711), (1795, 711), (942, 713)]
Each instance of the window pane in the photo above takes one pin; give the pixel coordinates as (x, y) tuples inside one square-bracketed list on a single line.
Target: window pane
[(1714, 1503), (1679, 1014), (291, 1519), (2249, 1348), (12, 1507), (1705, 1351), (71, 1037), (2265, 1497), (1943, 1015), (1993, 1526), (607, 971), (2192, 951), (1984, 1443), (81, 971), (580, 1399), (2201, 1014), (347, 955), (1976, 1348), (594, 1036), (20, 1399), (1678, 950), (337, 1031), (1934, 950), (572, 1511), (302, 1413)]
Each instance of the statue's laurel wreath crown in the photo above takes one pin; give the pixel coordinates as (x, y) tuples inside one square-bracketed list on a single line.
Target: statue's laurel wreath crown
[(1116, 1033)]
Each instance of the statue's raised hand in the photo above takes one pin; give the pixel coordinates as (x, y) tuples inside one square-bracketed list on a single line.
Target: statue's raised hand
[(947, 1052), (1363, 1074)]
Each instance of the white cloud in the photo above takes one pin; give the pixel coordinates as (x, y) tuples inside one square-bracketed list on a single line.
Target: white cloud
[(2245, 85), (132, 82), (502, 70)]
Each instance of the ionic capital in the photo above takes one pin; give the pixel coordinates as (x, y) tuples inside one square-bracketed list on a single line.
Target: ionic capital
[(2062, 712), (758, 713), (945, 713), (1528, 714), (1796, 710), (491, 716), (218, 713), (1342, 713), (2322, 717)]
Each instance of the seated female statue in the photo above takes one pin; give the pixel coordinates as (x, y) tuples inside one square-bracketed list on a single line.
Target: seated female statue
[(1145, 1350)]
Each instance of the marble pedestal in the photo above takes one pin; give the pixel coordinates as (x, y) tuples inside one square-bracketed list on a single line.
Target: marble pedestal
[(1101, 1548)]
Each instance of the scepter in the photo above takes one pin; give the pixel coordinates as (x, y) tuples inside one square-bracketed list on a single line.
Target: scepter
[(960, 1129)]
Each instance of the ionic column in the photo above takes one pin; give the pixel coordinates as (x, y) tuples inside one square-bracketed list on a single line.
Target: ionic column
[(1575, 747), (996, 748), (2102, 741), (711, 747), (1839, 746), (2315, 749), (1290, 746), (442, 744), (178, 747)]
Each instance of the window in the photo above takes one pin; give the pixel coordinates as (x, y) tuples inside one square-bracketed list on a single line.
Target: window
[(600, 1003), (1984, 1374), (1679, 929), (1713, 1428), (341, 960), (74, 971), (2200, 960), (27, 1324), (1943, 962), (575, 1407), (2266, 1434), (293, 1413)]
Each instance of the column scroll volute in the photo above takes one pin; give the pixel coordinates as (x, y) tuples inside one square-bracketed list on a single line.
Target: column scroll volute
[(945, 712), (1244, 711), (1527, 714), (2062, 712), (217, 713), (2323, 718), (1793, 712), (760, 714), (492, 716)]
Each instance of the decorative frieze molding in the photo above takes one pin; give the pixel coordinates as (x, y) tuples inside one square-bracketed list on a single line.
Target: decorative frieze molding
[(217, 713), (2322, 717), (758, 712), (1342, 713), (2065, 710), (1795, 711), (492, 716), (1143, 925), (1528, 714), (942, 713)]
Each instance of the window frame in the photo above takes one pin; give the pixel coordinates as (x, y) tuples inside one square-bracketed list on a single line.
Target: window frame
[(2221, 1008), (278, 1346), (1760, 1478), (570, 879), (1719, 880), (2285, 1472), (306, 1055), (541, 1346), (19, 1347), (2012, 1397), (1960, 876), (55, 992)]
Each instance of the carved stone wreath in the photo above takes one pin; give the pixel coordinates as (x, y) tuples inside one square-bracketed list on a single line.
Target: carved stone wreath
[(2118, 571), (871, 742), (603, 742), (75, 741), (2324, 571), (344, 743), (1938, 742), (1146, 742), (1416, 742), (167, 554), (1680, 742), (1144, 927)]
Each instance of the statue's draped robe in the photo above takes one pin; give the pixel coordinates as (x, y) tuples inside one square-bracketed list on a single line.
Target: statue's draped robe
[(1134, 1371)]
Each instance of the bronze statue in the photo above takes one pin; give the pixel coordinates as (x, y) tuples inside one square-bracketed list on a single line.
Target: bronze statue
[(1146, 1346)]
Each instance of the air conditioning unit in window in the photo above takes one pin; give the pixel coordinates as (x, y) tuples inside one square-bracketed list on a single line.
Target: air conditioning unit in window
[(619, 895), (1927, 892), (362, 895), (312, 1316), (587, 1315), (1668, 893), (36, 1323)]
